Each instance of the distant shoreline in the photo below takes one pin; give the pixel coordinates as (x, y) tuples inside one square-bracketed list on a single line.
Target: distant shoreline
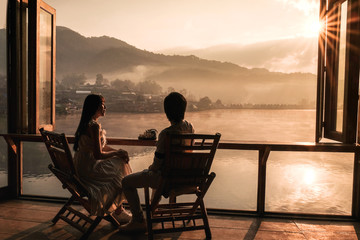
[(78, 111)]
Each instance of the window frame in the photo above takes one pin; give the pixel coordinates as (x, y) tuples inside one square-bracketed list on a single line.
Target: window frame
[(22, 81), (34, 66), (328, 67)]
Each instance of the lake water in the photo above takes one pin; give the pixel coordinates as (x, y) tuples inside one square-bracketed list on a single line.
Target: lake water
[(295, 181)]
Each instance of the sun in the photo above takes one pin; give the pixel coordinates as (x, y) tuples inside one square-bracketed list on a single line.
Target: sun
[(315, 28)]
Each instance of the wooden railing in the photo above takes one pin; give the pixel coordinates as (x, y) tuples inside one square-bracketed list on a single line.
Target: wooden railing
[(264, 148)]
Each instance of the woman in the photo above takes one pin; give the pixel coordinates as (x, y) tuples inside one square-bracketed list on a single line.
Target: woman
[(100, 167)]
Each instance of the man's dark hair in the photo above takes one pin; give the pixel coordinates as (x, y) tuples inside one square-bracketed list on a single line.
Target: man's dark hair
[(175, 106)]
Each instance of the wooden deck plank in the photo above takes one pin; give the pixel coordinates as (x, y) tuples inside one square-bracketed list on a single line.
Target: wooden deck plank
[(22, 219)]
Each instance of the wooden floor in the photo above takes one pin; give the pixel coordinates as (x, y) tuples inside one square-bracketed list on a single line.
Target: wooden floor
[(22, 219)]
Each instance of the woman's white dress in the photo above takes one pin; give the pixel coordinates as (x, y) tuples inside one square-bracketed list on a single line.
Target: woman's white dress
[(101, 177)]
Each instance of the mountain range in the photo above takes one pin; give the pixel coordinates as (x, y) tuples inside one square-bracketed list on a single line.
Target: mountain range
[(217, 79), (282, 55)]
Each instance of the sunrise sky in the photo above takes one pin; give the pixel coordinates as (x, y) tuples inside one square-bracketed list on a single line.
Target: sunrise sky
[(161, 24), (256, 33)]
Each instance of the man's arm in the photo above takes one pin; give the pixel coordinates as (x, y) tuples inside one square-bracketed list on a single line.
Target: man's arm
[(159, 155)]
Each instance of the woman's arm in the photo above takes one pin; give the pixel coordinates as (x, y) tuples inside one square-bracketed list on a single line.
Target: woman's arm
[(108, 148), (99, 152), (121, 152)]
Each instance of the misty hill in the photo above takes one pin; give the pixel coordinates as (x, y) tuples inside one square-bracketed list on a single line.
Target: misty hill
[(284, 55), (108, 55), (227, 81)]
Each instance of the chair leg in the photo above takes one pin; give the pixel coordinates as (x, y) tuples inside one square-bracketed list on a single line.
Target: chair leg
[(112, 220), (205, 220), (91, 228), (63, 209), (148, 214), (172, 199), (200, 197)]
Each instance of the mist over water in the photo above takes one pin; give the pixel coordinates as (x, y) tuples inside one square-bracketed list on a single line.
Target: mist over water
[(296, 181), (233, 124)]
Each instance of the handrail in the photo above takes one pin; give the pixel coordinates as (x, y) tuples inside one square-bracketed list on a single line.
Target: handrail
[(224, 144), (263, 148)]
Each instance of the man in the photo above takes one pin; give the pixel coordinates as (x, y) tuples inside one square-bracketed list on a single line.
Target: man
[(174, 106)]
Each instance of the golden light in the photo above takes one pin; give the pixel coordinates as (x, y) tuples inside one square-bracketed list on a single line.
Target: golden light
[(309, 176), (315, 28)]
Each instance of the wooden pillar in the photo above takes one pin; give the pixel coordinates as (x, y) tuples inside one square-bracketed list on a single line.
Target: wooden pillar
[(15, 170), (351, 96), (263, 156), (355, 208), (16, 90)]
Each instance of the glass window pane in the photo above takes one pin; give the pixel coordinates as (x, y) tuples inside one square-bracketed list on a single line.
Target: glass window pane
[(45, 69), (235, 184), (37, 178), (3, 163), (301, 182), (341, 67), (3, 95)]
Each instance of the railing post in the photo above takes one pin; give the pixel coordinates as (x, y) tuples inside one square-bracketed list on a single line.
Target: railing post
[(355, 209), (15, 169), (263, 156)]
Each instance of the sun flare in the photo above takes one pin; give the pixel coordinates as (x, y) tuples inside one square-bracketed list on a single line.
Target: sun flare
[(315, 28)]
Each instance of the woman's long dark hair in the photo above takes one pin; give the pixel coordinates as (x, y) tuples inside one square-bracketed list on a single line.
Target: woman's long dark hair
[(91, 105)]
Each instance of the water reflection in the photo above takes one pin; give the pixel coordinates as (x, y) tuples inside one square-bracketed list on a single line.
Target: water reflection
[(309, 182), (309, 175)]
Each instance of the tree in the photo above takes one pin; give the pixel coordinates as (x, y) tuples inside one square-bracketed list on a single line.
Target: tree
[(218, 104), (100, 80), (204, 103), (183, 92), (59, 85), (122, 85), (170, 90), (149, 86), (73, 80)]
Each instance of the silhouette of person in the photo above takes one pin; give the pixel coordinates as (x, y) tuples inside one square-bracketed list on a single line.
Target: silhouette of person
[(100, 167), (174, 106)]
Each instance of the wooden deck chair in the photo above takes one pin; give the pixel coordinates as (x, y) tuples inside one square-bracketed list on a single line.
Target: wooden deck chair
[(188, 158), (63, 169)]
